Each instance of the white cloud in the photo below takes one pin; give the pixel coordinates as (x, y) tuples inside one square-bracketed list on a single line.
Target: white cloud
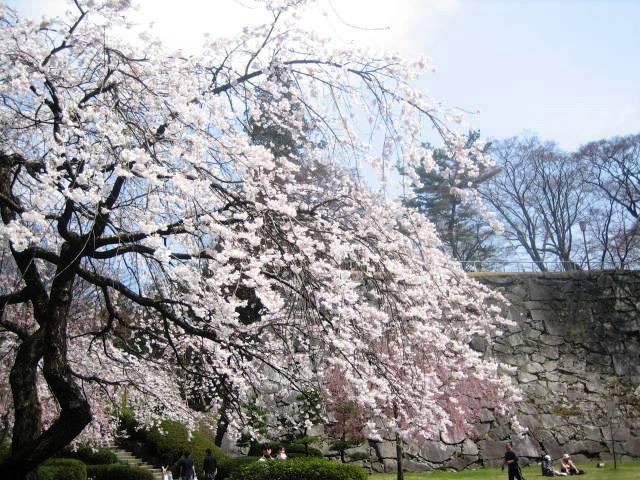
[(399, 25), (394, 26)]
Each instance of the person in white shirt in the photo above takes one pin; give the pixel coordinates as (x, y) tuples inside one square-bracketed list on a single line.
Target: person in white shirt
[(569, 467), (281, 454)]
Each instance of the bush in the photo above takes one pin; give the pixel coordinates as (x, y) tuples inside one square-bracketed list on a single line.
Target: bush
[(299, 469), (130, 425), (301, 450), (231, 464), (175, 439), (62, 469), (301, 455), (358, 456), (90, 456), (118, 472), (5, 450)]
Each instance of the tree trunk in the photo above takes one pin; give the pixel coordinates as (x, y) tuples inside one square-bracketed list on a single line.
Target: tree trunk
[(613, 449), (451, 227), (400, 475), (28, 414), (27, 411), (222, 424), (75, 412)]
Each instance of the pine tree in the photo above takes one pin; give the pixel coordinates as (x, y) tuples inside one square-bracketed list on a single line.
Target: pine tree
[(466, 235)]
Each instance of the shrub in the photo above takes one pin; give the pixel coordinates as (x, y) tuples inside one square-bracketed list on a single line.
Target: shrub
[(5, 450), (232, 464), (299, 469), (175, 439), (62, 469), (118, 472), (90, 456), (130, 425), (300, 455), (358, 456), (302, 449)]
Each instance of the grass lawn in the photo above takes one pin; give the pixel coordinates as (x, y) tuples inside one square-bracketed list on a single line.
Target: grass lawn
[(625, 471)]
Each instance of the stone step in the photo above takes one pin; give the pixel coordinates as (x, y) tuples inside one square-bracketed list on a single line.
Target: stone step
[(130, 459)]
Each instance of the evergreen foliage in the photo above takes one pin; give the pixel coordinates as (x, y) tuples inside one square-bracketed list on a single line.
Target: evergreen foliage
[(300, 469), (63, 469), (89, 455), (466, 235), (117, 472)]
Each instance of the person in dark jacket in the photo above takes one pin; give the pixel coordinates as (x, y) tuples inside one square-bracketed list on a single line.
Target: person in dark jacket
[(511, 460), (185, 467), (266, 454), (210, 466), (547, 470)]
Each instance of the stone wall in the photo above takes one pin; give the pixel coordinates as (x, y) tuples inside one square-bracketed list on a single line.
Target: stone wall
[(576, 352)]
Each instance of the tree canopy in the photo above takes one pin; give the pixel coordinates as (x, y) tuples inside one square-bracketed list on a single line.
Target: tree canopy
[(152, 247)]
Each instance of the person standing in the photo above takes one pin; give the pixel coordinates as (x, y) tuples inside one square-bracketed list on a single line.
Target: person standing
[(210, 466), (511, 461), (186, 468), (167, 461)]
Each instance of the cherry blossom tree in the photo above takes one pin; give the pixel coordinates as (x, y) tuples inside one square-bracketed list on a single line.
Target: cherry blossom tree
[(455, 387), (347, 420), (157, 249)]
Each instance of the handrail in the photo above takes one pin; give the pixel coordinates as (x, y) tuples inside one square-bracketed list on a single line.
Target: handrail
[(511, 266)]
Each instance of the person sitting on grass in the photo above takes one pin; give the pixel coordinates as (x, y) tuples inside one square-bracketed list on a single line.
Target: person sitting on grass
[(569, 467), (547, 471)]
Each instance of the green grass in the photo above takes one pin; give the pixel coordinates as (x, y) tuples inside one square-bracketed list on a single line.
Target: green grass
[(625, 471)]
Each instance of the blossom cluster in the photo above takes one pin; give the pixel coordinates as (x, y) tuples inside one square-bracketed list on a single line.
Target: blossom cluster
[(225, 252)]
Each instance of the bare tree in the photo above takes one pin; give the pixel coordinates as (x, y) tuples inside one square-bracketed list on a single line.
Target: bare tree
[(615, 170), (538, 197), (611, 175), (611, 235)]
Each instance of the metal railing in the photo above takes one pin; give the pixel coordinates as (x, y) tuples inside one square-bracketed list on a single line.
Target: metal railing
[(516, 266), (511, 266)]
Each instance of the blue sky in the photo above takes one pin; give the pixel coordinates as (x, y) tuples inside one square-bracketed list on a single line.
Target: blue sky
[(567, 70)]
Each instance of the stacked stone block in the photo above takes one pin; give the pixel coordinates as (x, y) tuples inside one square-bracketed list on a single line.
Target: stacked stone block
[(574, 348)]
